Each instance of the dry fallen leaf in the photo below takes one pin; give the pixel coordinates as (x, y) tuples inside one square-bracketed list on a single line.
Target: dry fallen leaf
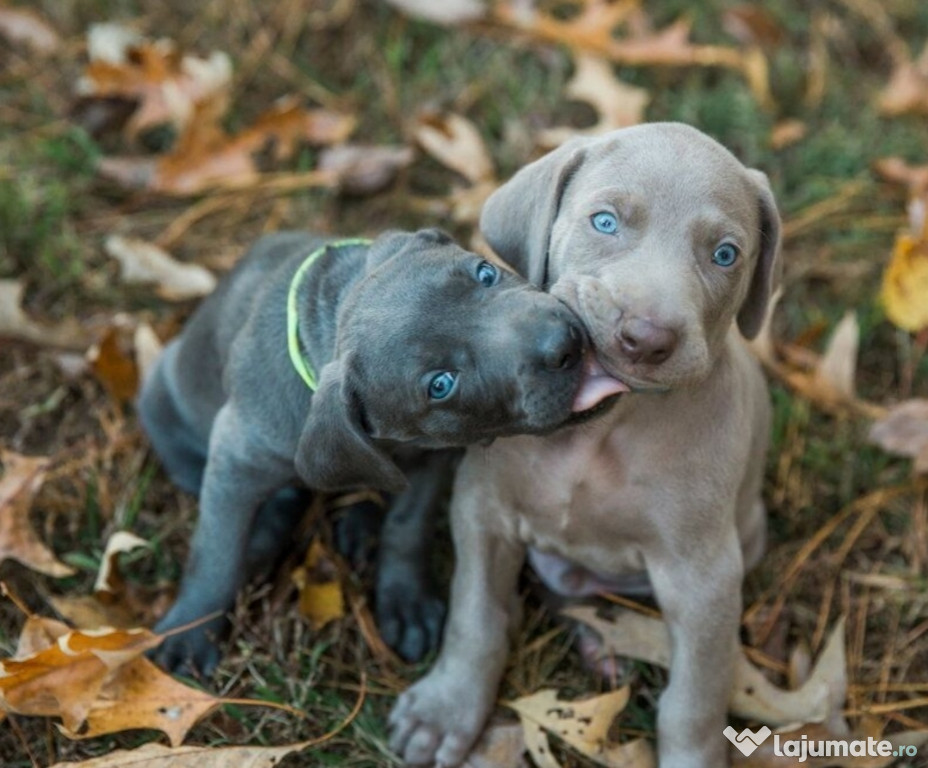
[(23, 25), (904, 431), (591, 31), (501, 745), (167, 85), (904, 292), (144, 262), (584, 725), (22, 478), (108, 605), (364, 170), (148, 349), (836, 371), (143, 696), (205, 157), (455, 142), (321, 596), (636, 636), (113, 363), (15, 324), (64, 679), (98, 682), (752, 24), (907, 89), (787, 132), (447, 12), (617, 104), (160, 756)]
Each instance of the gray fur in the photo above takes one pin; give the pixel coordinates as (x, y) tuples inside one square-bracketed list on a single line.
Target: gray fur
[(232, 420), (663, 491)]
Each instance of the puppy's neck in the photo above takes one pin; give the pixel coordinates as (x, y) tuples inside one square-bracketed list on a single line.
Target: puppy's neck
[(320, 291)]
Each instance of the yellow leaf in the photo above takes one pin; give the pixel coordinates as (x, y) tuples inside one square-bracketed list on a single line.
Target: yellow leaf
[(321, 596), (584, 725), (905, 284)]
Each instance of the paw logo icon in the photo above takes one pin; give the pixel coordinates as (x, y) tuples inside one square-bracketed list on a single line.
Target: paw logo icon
[(747, 741)]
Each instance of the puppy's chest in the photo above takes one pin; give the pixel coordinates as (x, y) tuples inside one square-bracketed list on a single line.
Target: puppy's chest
[(579, 503)]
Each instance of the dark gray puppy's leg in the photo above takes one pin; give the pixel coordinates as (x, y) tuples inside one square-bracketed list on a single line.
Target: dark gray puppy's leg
[(239, 478), (181, 450), (409, 611), (273, 531), (357, 532)]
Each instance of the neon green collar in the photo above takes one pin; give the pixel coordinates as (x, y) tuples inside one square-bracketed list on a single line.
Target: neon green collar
[(301, 364)]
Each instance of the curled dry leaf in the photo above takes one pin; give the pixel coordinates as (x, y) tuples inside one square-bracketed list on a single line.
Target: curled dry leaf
[(448, 12), (22, 478), (15, 324), (166, 84), (144, 262), (584, 725), (321, 596), (206, 158), (835, 373), (819, 699), (904, 431), (364, 170), (617, 104), (22, 25), (148, 349), (455, 142), (160, 756), (105, 607)]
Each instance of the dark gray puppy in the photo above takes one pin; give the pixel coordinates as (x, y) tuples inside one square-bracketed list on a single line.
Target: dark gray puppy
[(418, 344)]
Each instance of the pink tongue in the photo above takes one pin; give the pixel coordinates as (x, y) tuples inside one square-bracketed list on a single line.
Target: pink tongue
[(596, 386)]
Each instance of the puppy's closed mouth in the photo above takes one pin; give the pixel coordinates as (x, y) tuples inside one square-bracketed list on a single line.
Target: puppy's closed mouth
[(596, 388)]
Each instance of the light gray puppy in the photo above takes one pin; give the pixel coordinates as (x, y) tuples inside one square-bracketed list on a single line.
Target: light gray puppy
[(665, 246), (418, 344)]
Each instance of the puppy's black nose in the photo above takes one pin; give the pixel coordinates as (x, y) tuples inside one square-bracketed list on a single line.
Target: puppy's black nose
[(560, 345), (641, 341)]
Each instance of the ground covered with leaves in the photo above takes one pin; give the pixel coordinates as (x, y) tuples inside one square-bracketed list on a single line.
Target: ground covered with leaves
[(139, 158)]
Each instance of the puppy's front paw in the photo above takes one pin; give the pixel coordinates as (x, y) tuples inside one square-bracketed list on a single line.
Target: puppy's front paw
[(191, 653), (409, 614), (438, 720)]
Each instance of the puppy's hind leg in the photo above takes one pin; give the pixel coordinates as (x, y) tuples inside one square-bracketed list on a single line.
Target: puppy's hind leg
[(181, 451)]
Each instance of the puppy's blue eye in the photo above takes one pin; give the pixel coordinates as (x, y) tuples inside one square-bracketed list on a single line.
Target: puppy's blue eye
[(725, 255), (605, 222), (442, 385), (487, 274)]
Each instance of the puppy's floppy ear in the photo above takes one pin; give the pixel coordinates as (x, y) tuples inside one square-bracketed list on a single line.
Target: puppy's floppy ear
[(517, 218), (335, 452), (769, 267)]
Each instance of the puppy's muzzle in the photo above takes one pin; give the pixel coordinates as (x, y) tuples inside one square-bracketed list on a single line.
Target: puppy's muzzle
[(558, 344), (641, 341)]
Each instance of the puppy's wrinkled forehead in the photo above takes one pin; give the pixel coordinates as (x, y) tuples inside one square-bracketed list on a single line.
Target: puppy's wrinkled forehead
[(674, 171)]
